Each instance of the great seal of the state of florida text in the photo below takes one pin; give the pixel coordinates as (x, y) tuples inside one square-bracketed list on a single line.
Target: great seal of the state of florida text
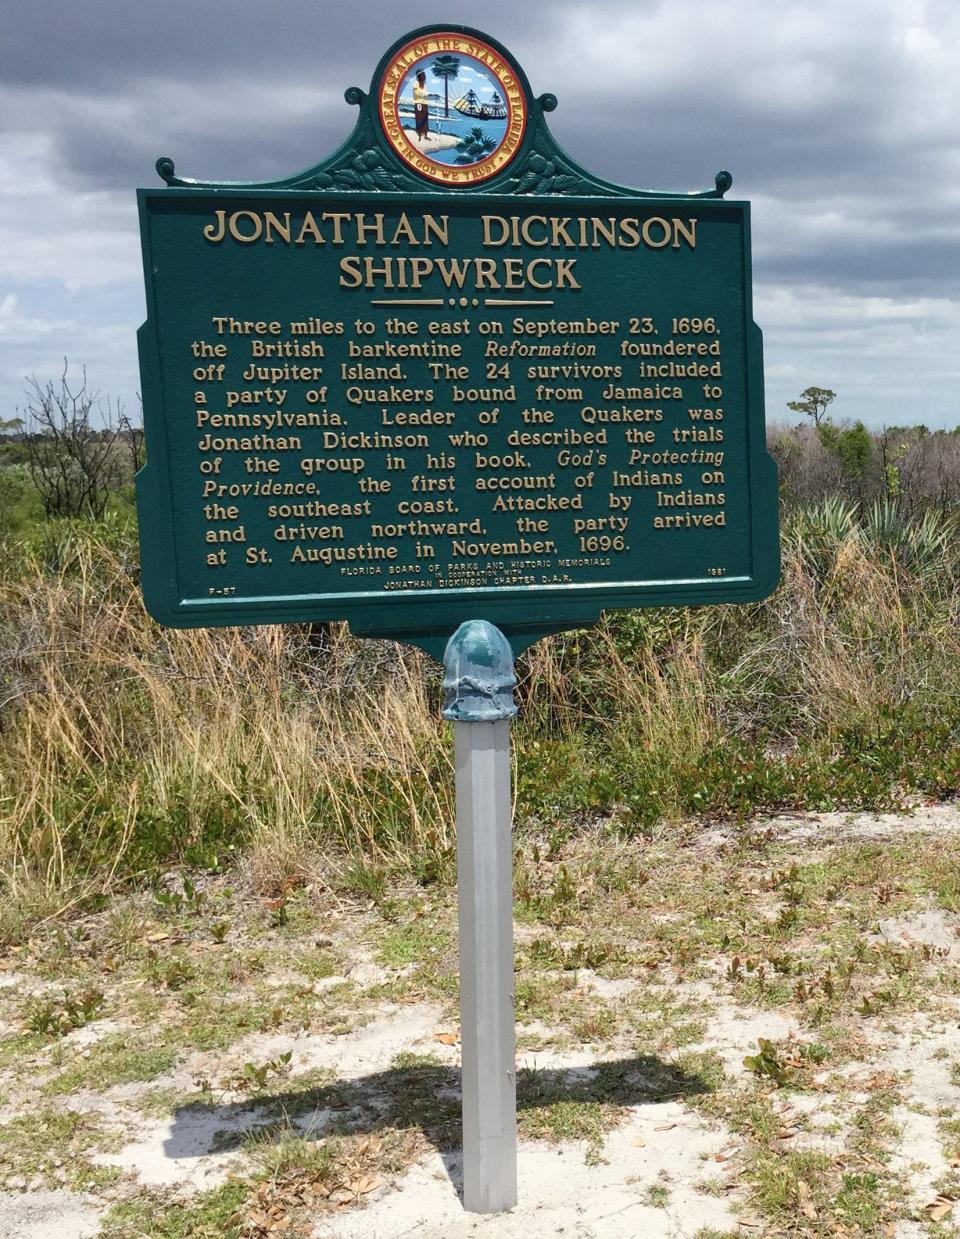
[(452, 108)]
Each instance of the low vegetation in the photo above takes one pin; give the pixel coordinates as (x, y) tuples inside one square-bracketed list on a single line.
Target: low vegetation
[(744, 1037), (125, 748), (185, 817)]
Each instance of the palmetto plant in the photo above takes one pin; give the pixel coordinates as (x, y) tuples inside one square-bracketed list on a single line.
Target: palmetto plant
[(474, 146), (920, 545), (446, 67), (820, 530), (884, 531)]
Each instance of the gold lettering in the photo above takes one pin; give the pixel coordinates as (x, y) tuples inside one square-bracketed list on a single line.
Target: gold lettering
[(234, 223), (404, 231), (688, 231), (606, 228), (514, 272), (558, 228), (440, 230), (488, 222), (453, 271), (273, 224), (215, 232), (538, 262), (525, 230), (648, 237), (629, 236), (337, 217), (565, 277), (363, 228), (350, 276), (309, 227), (486, 273)]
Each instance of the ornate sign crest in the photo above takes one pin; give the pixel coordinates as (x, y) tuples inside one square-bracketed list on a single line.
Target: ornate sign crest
[(452, 107)]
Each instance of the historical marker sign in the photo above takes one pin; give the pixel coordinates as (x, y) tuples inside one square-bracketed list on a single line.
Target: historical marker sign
[(449, 374)]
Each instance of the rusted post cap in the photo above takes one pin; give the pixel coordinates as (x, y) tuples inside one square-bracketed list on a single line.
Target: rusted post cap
[(479, 679)]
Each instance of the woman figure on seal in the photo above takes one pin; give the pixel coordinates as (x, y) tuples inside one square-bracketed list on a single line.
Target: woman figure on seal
[(421, 106)]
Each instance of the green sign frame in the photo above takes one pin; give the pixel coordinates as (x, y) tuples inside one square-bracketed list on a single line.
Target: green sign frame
[(198, 272)]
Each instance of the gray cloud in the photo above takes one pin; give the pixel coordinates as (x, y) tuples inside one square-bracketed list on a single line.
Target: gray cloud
[(839, 125)]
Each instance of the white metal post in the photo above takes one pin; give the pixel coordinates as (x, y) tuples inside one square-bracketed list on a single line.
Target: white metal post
[(479, 684), (487, 1034)]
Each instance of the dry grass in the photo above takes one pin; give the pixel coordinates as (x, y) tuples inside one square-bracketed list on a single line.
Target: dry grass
[(124, 746), (114, 726)]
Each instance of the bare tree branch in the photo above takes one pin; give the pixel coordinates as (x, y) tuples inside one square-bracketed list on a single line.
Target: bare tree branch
[(74, 465)]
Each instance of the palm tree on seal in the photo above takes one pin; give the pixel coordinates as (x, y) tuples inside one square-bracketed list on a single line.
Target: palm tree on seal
[(446, 67), (474, 146)]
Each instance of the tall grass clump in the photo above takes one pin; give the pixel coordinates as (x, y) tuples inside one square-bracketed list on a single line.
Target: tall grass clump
[(843, 689), (125, 747)]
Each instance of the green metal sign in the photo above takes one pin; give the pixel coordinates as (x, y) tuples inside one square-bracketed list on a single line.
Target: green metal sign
[(448, 374)]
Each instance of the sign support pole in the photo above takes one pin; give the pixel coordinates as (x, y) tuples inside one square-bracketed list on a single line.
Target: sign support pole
[(479, 684)]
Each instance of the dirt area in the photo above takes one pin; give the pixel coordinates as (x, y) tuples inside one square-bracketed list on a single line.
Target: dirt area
[(748, 1030)]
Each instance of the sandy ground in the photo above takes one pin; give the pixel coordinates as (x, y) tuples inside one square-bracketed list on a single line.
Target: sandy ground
[(560, 1194), (48, 1215), (663, 1171), (434, 142)]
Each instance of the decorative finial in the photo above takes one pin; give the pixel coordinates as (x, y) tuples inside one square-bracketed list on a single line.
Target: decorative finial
[(479, 679)]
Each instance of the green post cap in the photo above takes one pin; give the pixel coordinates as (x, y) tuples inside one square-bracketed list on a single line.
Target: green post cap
[(479, 679)]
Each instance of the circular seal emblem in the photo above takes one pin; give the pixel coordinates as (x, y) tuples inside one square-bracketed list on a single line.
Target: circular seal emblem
[(452, 108)]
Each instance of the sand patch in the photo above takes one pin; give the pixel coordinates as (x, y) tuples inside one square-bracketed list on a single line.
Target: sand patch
[(920, 1156), (48, 1215), (196, 1148), (89, 1034), (181, 1151), (829, 829), (922, 1056), (560, 1194), (735, 1032), (609, 989), (362, 1052), (929, 927)]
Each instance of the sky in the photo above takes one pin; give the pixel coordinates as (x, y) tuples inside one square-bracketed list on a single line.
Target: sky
[(470, 76), (840, 124)]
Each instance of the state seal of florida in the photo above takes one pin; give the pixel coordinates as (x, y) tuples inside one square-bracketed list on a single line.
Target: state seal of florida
[(452, 108)]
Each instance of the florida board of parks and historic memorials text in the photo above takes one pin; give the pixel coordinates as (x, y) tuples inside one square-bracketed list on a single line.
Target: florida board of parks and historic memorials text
[(402, 396)]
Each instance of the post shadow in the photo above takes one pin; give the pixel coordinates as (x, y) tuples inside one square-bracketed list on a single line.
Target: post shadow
[(423, 1095)]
